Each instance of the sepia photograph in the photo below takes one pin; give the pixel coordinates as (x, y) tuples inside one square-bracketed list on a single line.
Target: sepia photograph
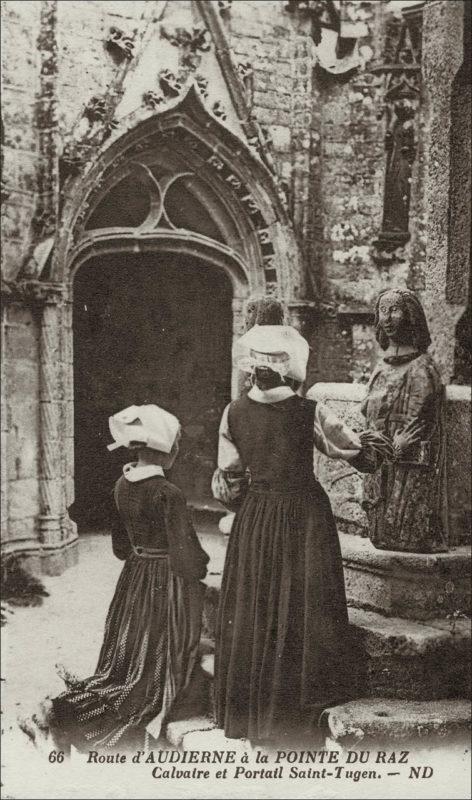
[(235, 399)]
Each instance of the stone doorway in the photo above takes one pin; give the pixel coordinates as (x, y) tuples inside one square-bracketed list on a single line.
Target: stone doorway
[(157, 328)]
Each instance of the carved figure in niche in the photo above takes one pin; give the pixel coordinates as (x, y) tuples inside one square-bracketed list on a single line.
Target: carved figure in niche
[(401, 147), (405, 499)]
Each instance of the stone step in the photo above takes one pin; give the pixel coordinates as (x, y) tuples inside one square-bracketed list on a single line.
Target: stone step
[(404, 659), (412, 586), (369, 721), (408, 585), (201, 733), (400, 661), (359, 724), (396, 658)]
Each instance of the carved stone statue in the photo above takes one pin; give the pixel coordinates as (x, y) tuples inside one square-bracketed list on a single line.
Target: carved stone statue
[(400, 145), (405, 498)]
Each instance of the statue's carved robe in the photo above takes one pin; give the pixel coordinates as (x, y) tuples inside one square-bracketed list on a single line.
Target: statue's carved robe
[(405, 500)]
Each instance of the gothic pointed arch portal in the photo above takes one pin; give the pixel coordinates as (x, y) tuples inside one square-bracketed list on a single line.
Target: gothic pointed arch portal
[(169, 189), (182, 173)]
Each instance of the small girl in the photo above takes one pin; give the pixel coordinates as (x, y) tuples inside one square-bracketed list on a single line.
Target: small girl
[(152, 630)]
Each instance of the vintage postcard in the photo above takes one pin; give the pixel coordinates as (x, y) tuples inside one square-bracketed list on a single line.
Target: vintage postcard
[(236, 388)]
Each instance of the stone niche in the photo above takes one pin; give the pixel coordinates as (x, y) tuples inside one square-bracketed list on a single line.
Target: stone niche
[(405, 585)]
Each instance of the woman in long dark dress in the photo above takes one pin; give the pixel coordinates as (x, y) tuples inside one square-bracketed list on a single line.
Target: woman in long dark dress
[(152, 630), (282, 644)]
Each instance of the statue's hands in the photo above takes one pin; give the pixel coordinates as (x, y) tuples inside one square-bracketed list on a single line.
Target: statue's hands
[(411, 434), (376, 443)]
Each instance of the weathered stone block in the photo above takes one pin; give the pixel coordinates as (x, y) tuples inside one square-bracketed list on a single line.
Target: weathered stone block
[(22, 373), (23, 498), (177, 731), (20, 172), (23, 441), (409, 585), (215, 739), (22, 338), (459, 467), (19, 530), (398, 658), (13, 251), (375, 720), (55, 562)]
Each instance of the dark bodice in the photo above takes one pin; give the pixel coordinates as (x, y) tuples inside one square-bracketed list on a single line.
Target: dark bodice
[(275, 441), (142, 508), (152, 513)]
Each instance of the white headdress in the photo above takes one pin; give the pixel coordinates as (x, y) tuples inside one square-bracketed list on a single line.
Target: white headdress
[(148, 424), (279, 347)]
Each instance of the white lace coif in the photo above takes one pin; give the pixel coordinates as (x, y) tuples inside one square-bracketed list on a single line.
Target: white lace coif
[(279, 347), (149, 424)]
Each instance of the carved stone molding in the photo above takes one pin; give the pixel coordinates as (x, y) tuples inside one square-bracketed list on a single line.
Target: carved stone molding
[(190, 43), (223, 166), (120, 45), (158, 188), (96, 108), (224, 7), (152, 99), (240, 90), (202, 85), (50, 484), (98, 119), (219, 110), (4, 193), (170, 85), (45, 216), (76, 152)]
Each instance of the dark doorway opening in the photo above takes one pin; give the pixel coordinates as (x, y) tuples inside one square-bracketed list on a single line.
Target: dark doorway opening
[(148, 329)]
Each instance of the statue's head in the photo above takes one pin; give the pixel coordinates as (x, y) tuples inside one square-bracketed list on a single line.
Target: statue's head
[(399, 318)]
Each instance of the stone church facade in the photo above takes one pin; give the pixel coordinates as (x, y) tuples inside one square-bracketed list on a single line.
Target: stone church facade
[(164, 161)]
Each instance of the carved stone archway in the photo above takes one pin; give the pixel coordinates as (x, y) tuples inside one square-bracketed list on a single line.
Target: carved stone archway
[(226, 209), (223, 174)]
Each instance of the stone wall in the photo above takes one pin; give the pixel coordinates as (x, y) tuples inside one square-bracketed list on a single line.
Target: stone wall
[(66, 86), (21, 385), (444, 44), (20, 87)]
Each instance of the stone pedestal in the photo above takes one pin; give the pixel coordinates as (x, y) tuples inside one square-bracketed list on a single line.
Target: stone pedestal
[(408, 585), (375, 721)]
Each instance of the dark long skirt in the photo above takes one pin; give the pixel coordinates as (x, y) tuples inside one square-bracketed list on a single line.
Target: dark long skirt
[(149, 650), (282, 635)]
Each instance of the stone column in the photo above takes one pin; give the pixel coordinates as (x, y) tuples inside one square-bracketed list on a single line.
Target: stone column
[(69, 528), (4, 431), (50, 478), (237, 380), (442, 45)]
